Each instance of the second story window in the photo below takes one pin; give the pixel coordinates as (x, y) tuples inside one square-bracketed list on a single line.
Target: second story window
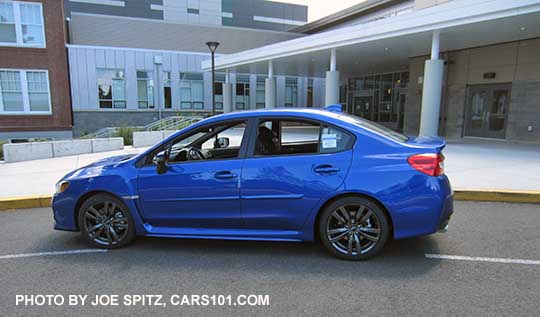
[(21, 24)]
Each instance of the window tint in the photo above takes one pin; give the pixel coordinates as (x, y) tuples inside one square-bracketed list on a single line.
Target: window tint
[(233, 134), (284, 137), (333, 140), (205, 144)]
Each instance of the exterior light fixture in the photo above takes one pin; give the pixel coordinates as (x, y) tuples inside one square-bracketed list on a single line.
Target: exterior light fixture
[(212, 46)]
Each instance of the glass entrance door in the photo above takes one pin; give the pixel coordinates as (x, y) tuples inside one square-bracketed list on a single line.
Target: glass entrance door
[(487, 111)]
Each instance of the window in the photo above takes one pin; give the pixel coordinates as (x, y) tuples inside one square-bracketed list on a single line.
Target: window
[(38, 91), (291, 92), (218, 90), (309, 102), (284, 137), (242, 92), (145, 89), (333, 140), (191, 91), (167, 89), (218, 141), (260, 98), (111, 88), (193, 11), (24, 91), (21, 24)]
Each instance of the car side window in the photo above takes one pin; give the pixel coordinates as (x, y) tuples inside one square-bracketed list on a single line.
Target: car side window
[(333, 140), (287, 136), (221, 141)]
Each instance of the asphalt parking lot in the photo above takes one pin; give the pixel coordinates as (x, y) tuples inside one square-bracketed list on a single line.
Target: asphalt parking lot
[(300, 278)]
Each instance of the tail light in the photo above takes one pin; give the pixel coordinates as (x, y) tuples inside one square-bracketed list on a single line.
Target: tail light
[(428, 163)]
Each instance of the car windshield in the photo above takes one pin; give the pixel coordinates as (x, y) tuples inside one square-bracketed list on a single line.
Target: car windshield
[(375, 127)]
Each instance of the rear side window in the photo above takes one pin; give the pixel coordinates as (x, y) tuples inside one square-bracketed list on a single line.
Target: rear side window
[(333, 140), (286, 137)]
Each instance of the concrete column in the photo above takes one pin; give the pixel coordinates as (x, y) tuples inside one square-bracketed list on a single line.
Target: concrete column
[(332, 81), (432, 91), (227, 97), (270, 92), (332, 88), (270, 88)]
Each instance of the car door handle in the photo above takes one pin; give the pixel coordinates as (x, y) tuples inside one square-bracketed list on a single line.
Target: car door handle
[(224, 175), (325, 169)]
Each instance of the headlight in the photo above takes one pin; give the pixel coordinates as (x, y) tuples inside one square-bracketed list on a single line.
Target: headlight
[(62, 186)]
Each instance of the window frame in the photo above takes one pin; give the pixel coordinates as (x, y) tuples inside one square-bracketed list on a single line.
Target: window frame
[(26, 94), (146, 160), (254, 130), (113, 100), (17, 20), (192, 104), (150, 102)]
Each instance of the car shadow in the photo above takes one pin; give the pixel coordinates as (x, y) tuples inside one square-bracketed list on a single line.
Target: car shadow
[(400, 259)]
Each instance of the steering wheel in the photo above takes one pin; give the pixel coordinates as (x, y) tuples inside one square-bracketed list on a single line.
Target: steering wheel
[(195, 154)]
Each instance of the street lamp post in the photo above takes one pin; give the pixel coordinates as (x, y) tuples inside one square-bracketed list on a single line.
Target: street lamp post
[(213, 46)]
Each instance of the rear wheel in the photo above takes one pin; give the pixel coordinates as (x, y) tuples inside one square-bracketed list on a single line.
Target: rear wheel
[(353, 228), (105, 222)]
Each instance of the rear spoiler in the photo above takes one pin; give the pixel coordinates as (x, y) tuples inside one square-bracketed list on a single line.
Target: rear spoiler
[(428, 142)]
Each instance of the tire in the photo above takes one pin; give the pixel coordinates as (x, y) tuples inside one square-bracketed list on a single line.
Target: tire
[(117, 227), (367, 232)]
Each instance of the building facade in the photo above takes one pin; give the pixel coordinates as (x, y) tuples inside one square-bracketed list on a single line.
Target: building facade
[(149, 65), (34, 83), (252, 14), (454, 68)]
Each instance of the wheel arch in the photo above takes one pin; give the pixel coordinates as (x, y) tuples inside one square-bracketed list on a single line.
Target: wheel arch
[(84, 198), (350, 194)]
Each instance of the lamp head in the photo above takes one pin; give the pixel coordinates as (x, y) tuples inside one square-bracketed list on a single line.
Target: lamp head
[(212, 46)]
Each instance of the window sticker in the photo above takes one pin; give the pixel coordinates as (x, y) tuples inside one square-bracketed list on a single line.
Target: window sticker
[(329, 141)]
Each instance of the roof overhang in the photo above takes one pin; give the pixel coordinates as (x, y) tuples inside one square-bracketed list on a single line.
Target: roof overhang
[(388, 43)]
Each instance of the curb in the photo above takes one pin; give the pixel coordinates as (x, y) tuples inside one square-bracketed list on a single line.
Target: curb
[(493, 195), (23, 202), (498, 195)]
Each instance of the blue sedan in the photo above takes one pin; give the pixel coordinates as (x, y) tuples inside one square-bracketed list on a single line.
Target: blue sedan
[(280, 175)]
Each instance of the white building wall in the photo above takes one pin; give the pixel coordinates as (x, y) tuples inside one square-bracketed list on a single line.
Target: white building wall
[(84, 62)]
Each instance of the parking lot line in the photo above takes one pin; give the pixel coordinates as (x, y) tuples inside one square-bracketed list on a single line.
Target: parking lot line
[(480, 259), (27, 255)]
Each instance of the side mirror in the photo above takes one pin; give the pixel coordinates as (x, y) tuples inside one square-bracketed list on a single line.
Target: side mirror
[(221, 143), (161, 165)]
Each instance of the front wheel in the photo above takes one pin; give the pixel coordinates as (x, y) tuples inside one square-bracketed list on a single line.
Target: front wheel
[(105, 222), (353, 228)]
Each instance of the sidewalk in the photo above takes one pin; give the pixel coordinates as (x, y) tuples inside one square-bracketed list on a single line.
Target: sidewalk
[(40, 176), (470, 164)]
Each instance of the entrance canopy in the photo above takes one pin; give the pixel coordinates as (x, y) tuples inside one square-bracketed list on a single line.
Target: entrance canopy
[(386, 44)]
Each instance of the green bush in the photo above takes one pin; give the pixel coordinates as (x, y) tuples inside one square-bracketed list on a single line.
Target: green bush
[(2, 150), (126, 133)]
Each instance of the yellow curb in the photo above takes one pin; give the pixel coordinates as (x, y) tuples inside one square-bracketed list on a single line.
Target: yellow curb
[(23, 202), (498, 195)]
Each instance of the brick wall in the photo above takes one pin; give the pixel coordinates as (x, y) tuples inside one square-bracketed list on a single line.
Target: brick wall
[(53, 58)]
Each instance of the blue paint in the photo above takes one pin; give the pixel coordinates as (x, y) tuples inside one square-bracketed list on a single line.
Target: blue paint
[(267, 197)]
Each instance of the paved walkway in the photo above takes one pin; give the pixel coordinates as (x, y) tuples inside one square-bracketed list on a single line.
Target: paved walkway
[(470, 164)]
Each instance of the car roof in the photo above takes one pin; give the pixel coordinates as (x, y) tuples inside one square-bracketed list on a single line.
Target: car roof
[(295, 112)]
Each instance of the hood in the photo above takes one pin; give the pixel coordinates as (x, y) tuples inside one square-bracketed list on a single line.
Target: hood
[(98, 167)]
